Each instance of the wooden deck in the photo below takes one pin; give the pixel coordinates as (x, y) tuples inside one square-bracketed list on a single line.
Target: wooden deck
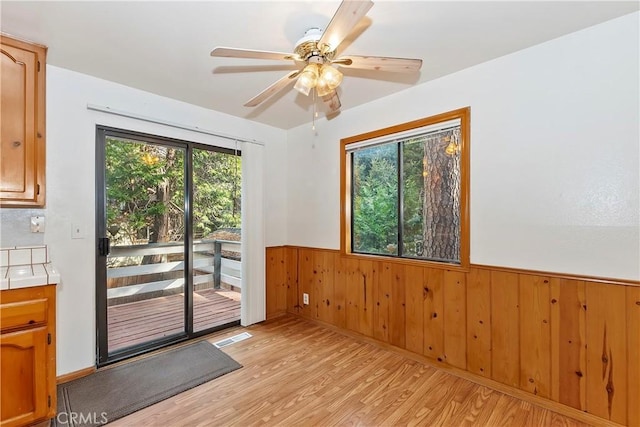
[(137, 322)]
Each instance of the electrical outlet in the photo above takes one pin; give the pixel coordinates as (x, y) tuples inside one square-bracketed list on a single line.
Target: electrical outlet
[(305, 299), (37, 224)]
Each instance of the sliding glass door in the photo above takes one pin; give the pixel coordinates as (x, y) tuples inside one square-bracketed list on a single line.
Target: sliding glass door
[(216, 230), (167, 214)]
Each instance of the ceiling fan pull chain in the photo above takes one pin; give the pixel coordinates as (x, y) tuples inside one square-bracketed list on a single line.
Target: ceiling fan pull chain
[(315, 113)]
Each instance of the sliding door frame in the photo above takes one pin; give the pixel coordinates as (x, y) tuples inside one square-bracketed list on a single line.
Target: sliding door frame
[(103, 357)]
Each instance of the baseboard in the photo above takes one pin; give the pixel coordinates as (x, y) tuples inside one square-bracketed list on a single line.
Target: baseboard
[(75, 375), (568, 411)]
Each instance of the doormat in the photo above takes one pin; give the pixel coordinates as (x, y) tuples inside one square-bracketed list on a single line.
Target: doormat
[(113, 393)]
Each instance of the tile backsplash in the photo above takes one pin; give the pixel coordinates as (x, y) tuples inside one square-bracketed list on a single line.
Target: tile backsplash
[(15, 227), (23, 255)]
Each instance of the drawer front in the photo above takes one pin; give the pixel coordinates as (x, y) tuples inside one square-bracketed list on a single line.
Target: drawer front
[(23, 314)]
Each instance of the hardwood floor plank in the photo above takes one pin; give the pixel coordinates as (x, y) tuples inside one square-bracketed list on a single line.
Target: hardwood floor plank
[(298, 373)]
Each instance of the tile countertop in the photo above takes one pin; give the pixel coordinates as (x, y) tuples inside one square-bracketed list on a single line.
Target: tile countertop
[(25, 266)]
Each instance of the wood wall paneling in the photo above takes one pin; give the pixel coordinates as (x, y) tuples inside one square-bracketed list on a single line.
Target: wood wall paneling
[(633, 341), (535, 335), (455, 319), (291, 272), (306, 282), (414, 309), (339, 292), (571, 340), (397, 305), (353, 284), (607, 352), (568, 342), (276, 277), (479, 322), (382, 295), (368, 273), (433, 297), (505, 330), (324, 285)]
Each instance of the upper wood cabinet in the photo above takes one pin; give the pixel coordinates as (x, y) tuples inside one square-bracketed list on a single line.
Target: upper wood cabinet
[(22, 120)]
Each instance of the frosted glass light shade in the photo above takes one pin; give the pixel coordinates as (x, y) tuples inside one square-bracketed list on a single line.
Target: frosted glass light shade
[(307, 79), (322, 88), (330, 76)]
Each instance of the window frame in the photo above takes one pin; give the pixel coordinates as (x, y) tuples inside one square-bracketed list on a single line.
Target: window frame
[(462, 114)]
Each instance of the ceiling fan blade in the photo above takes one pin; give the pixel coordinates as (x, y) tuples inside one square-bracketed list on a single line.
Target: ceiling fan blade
[(232, 52), (379, 63), (273, 89), (332, 101), (349, 13)]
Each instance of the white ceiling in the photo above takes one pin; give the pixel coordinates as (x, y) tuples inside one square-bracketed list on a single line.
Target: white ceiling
[(163, 47)]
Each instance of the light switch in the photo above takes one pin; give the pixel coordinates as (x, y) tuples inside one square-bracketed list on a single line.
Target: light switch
[(77, 231), (37, 224)]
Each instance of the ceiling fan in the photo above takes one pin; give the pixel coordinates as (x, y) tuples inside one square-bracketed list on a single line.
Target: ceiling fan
[(316, 54)]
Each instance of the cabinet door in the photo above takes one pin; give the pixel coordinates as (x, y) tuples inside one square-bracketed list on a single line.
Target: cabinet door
[(23, 360), (22, 140)]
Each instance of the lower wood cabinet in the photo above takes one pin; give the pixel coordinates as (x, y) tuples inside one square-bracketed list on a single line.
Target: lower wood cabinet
[(27, 355)]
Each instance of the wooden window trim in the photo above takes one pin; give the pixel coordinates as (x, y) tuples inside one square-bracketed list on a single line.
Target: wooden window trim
[(464, 114)]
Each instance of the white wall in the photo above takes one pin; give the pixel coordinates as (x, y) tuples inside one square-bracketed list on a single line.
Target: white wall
[(555, 176), (554, 154), (275, 192), (71, 143)]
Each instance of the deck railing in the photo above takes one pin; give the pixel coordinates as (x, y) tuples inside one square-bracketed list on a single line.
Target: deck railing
[(213, 264)]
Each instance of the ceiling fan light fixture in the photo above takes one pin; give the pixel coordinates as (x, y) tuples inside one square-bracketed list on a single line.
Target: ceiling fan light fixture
[(330, 76), (316, 50), (307, 80), (322, 88)]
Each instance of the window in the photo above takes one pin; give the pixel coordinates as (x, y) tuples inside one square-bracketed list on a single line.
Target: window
[(405, 191)]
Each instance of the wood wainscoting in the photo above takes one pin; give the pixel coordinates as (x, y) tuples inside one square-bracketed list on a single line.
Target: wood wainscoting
[(572, 340)]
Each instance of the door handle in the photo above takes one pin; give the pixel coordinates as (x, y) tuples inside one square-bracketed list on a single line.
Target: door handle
[(104, 246)]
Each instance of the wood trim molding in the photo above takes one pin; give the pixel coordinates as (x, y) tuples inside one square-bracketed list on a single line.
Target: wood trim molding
[(22, 42), (75, 375), (623, 282), (516, 270)]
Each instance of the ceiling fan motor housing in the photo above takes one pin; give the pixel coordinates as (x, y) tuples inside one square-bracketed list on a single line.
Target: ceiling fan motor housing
[(308, 50)]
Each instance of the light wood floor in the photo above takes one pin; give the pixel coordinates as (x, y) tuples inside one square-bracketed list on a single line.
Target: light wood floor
[(297, 373)]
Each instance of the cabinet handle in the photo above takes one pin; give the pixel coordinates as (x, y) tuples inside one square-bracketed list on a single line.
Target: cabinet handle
[(17, 143)]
